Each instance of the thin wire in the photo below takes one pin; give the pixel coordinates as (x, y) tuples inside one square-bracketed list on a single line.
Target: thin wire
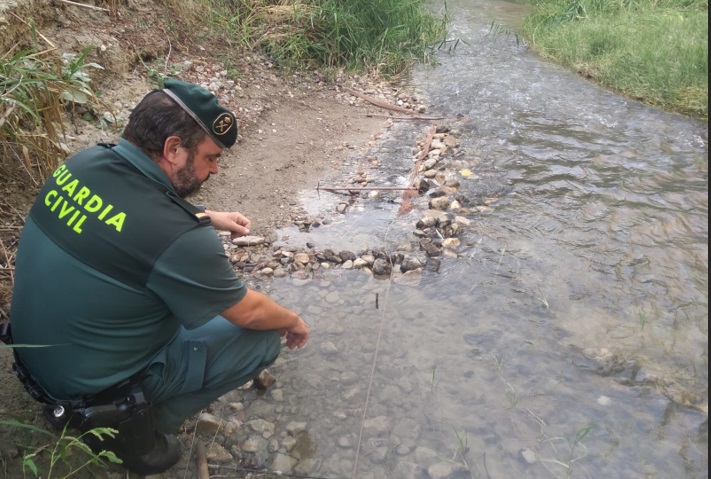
[(372, 370), (192, 443)]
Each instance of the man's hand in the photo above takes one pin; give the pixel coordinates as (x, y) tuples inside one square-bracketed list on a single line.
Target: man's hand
[(234, 222), (297, 335), (259, 312)]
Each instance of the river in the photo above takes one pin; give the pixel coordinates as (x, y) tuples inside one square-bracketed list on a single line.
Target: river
[(568, 339)]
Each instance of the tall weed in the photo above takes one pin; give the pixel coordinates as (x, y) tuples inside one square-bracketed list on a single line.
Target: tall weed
[(36, 87)]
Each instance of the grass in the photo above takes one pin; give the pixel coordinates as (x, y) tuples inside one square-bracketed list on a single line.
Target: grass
[(566, 452), (37, 87), (655, 51), (56, 458), (382, 36), (379, 36)]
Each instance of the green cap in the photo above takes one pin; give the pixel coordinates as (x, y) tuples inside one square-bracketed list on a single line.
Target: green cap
[(217, 121)]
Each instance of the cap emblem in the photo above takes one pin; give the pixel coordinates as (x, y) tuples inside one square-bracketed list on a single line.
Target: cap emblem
[(222, 124)]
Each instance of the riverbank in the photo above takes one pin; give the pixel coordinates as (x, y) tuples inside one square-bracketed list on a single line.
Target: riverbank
[(619, 46)]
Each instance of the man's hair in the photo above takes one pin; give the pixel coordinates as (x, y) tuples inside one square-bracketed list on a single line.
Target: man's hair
[(156, 118)]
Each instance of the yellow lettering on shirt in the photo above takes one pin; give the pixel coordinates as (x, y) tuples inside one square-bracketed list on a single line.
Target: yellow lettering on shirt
[(117, 221), (74, 201)]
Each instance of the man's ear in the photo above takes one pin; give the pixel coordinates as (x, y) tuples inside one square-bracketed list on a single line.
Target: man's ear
[(171, 149)]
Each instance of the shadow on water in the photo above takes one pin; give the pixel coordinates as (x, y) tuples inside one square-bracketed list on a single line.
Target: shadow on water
[(568, 339)]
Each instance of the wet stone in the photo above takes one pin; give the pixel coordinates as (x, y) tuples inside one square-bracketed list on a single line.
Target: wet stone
[(440, 203), (262, 427), (360, 263), (332, 297), (448, 470), (347, 255), (376, 426), (248, 241), (254, 443), (208, 424), (288, 443), (451, 243), (382, 267), (529, 456), (217, 453), (294, 428), (410, 264), (431, 249), (329, 349)]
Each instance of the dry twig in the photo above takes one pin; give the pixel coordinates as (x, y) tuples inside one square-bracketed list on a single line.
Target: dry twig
[(201, 460), (406, 204), (85, 6), (409, 118), (365, 188), (35, 30), (380, 103)]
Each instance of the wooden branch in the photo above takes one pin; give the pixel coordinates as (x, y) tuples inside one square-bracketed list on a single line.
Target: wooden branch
[(406, 204), (380, 103), (409, 118), (423, 154), (201, 460), (85, 6), (365, 188)]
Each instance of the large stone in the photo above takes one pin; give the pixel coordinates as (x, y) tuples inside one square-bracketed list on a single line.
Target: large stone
[(248, 241)]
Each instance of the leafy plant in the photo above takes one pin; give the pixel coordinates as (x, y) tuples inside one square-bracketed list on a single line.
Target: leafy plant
[(35, 88), (76, 77), (60, 450)]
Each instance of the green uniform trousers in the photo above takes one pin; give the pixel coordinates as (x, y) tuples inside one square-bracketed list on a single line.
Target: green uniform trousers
[(200, 365)]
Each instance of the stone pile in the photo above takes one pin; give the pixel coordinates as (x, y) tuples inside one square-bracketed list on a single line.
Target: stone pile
[(437, 231)]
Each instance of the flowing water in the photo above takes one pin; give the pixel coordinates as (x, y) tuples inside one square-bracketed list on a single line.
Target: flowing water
[(568, 339)]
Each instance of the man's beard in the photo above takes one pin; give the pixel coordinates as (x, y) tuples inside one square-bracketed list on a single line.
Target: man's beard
[(185, 182)]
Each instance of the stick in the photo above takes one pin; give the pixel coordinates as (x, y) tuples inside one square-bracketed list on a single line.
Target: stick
[(365, 188), (85, 6), (400, 118), (423, 154), (406, 204), (381, 104), (201, 460), (38, 33)]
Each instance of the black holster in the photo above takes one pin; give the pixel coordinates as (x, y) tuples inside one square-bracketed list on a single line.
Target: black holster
[(123, 407)]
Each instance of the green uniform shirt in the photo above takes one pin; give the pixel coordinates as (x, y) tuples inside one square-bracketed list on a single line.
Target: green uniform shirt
[(101, 328)]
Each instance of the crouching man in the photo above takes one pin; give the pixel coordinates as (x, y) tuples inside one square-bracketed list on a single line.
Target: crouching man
[(128, 287)]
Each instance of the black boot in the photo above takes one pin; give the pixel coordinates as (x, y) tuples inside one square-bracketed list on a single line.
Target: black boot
[(166, 452)]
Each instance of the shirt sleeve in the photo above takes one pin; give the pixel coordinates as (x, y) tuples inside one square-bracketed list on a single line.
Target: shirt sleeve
[(195, 278)]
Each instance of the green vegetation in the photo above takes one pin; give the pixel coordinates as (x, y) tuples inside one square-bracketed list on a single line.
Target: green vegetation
[(378, 36), (56, 458), (381, 36), (655, 51), (36, 87)]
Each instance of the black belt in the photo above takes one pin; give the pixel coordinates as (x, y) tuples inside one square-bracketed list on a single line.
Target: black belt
[(38, 393)]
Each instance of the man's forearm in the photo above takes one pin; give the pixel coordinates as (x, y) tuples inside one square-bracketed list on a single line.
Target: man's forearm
[(258, 311)]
